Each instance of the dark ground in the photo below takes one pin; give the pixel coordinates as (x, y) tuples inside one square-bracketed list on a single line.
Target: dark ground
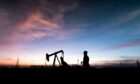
[(59, 74)]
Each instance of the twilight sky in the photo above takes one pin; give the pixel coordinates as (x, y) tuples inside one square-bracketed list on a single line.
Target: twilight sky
[(108, 29)]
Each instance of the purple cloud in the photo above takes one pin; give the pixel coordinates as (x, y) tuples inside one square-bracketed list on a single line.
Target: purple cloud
[(31, 20), (131, 43)]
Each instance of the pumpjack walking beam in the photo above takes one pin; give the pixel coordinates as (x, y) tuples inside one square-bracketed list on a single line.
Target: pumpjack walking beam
[(55, 56)]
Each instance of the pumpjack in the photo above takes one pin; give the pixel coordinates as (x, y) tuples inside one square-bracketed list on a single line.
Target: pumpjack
[(55, 56)]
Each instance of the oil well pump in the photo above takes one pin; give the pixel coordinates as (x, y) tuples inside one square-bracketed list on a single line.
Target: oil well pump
[(55, 56)]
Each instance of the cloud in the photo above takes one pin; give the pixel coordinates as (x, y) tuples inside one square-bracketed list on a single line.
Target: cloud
[(123, 18), (130, 57), (31, 20), (110, 27), (131, 43), (10, 47), (7, 60)]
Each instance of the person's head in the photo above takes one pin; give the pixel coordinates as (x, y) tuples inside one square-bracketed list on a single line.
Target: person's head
[(85, 52)]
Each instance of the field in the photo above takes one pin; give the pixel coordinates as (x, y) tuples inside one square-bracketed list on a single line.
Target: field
[(70, 74)]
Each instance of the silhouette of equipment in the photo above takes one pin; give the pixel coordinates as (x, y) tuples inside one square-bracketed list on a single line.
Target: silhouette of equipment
[(55, 56)]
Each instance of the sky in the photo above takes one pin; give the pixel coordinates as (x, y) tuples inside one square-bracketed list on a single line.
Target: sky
[(108, 29)]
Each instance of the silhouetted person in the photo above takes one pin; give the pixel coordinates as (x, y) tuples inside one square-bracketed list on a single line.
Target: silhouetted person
[(64, 64), (85, 60)]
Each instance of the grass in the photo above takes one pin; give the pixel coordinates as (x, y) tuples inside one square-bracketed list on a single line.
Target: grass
[(76, 73)]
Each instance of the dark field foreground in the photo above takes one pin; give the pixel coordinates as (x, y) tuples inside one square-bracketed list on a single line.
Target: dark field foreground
[(59, 74)]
